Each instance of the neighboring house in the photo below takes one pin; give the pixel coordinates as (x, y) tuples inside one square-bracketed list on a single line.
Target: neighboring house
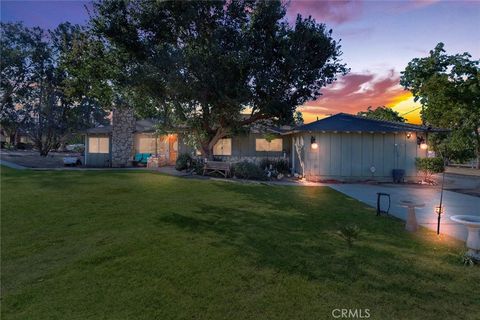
[(340, 147), (20, 137), (347, 147)]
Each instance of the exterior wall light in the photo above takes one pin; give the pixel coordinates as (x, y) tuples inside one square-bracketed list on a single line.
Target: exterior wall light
[(313, 143), (422, 143), (409, 135)]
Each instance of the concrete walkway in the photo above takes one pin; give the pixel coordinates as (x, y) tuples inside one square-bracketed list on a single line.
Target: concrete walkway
[(454, 203), (12, 165)]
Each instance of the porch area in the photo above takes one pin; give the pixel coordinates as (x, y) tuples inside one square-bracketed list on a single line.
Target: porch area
[(153, 150)]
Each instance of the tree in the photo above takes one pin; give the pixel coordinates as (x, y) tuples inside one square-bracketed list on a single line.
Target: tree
[(382, 113), (448, 87), (298, 118), (14, 79), (206, 64), (33, 87)]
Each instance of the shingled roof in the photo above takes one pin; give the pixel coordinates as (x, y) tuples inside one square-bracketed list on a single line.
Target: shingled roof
[(145, 125), (344, 122)]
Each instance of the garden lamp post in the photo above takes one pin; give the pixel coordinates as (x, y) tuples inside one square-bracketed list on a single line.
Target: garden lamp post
[(439, 209)]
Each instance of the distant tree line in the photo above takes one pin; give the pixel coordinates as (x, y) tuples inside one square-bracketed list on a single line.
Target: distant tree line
[(34, 86)]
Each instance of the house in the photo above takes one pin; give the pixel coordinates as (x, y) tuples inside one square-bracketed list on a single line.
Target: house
[(116, 145), (340, 147), (347, 147)]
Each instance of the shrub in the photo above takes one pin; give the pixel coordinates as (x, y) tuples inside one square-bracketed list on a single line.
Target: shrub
[(279, 165), (182, 161), (9, 146), (248, 170), (466, 260), (429, 166), (283, 166), (79, 149), (265, 164), (349, 233), (197, 166)]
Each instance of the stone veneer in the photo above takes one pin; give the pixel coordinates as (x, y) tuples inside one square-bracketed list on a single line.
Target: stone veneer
[(123, 126)]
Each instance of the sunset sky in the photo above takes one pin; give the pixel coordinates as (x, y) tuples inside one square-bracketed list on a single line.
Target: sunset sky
[(379, 38)]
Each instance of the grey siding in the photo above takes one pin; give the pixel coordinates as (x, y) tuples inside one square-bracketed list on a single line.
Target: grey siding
[(350, 156), (243, 147)]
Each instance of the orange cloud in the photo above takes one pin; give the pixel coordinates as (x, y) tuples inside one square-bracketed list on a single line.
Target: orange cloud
[(356, 92)]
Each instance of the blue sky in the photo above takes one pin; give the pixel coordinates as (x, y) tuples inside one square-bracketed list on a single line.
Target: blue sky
[(378, 39)]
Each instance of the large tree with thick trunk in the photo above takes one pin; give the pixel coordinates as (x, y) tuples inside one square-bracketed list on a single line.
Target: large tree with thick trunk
[(219, 66)]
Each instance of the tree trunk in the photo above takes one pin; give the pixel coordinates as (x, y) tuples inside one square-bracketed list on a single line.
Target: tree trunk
[(13, 139), (44, 152), (207, 152), (207, 145)]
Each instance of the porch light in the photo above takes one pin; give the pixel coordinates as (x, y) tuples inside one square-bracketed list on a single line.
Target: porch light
[(422, 143), (409, 135), (313, 143)]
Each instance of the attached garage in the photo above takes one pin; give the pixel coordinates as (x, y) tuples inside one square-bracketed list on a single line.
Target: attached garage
[(346, 147)]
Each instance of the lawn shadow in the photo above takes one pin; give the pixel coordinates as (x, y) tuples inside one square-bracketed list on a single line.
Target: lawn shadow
[(293, 236)]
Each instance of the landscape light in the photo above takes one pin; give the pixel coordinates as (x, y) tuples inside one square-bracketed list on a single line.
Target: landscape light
[(439, 210), (423, 146), (313, 143)]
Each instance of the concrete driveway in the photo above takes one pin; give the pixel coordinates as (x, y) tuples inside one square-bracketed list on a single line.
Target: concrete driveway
[(454, 203)]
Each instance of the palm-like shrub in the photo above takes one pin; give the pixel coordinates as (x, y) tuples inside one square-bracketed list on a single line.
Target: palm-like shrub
[(349, 233)]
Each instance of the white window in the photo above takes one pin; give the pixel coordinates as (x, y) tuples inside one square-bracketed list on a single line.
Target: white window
[(223, 147), (98, 145), (145, 144), (265, 145)]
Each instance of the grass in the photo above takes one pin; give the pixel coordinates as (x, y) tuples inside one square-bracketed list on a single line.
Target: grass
[(139, 245)]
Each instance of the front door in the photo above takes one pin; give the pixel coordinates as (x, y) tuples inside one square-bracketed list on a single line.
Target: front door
[(172, 149)]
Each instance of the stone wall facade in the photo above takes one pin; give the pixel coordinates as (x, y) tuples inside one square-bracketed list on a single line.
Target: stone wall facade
[(123, 123)]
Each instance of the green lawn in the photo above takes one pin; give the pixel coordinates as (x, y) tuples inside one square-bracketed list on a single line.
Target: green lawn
[(139, 245)]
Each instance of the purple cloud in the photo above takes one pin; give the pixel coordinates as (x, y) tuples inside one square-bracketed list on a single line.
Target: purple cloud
[(336, 12)]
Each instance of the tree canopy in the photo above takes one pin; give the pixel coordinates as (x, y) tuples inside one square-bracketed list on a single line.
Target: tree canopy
[(382, 113), (217, 66), (34, 88), (448, 87)]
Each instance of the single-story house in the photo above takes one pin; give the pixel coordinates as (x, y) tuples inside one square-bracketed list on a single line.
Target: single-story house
[(340, 147), (116, 145), (348, 147)]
